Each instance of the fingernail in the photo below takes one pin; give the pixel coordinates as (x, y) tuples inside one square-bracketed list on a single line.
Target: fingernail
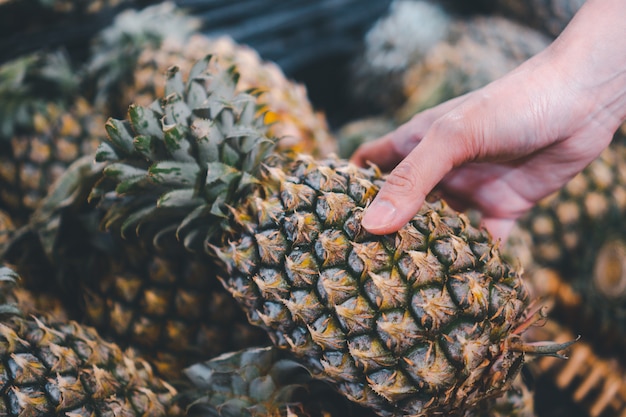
[(379, 214)]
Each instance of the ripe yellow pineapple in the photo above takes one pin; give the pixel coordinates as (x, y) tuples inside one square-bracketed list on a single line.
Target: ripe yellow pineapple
[(426, 321), (141, 46), (44, 126), (64, 368), (292, 117)]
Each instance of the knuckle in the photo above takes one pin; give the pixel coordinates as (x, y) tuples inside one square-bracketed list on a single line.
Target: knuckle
[(462, 134), (451, 125), (403, 177)]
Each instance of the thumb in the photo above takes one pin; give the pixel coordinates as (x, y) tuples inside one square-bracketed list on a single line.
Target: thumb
[(407, 186)]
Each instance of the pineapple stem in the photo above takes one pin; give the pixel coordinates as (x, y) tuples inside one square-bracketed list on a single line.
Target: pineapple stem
[(542, 348), (537, 316)]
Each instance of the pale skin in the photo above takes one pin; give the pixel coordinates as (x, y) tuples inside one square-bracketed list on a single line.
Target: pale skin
[(504, 147)]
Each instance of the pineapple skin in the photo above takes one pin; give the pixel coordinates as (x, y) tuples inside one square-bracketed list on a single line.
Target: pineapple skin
[(418, 323), (170, 309), (64, 368), (267, 381), (45, 124), (421, 322), (33, 158)]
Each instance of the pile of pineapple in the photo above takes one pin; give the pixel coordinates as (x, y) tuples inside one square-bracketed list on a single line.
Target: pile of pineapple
[(179, 238)]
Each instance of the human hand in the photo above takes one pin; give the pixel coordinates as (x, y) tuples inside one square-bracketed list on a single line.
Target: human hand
[(504, 147)]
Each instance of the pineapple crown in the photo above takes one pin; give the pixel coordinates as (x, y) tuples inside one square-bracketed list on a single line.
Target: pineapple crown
[(29, 84), (251, 382), (186, 159), (116, 49), (261, 381)]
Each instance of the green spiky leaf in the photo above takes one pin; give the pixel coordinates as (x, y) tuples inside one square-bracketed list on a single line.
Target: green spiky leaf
[(174, 173), (121, 172), (106, 152), (119, 136), (176, 110), (176, 144), (180, 198), (145, 121)]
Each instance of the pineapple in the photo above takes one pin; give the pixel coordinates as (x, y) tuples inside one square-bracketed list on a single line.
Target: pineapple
[(478, 50), (589, 209), (130, 59), (114, 51), (64, 368), (426, 321), (266, 381), (397, 41), (163, 306), (44, 126), (468, 53)]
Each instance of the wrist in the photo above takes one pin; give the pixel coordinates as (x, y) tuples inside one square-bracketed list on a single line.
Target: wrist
[(591, 53)]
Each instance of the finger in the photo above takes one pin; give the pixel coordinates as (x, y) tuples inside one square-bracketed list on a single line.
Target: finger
[(382, 152), (499, 229), (408, 184), (387, 151)]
